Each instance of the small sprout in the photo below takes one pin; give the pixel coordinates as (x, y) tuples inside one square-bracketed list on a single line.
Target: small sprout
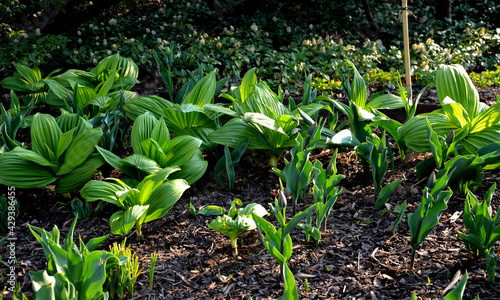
[(450, 138)]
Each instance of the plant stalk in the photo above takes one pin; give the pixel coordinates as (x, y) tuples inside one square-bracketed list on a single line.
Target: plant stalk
[(406, 41), (412, 259)]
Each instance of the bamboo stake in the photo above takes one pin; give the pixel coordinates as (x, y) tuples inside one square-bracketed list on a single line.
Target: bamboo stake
[(406, 50)]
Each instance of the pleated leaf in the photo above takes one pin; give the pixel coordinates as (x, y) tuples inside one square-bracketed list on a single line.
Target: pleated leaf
[(452, 81), (181, 149), (192, 170), (140, 105), (79, 175), (23, 173), (414, 132), (45, 135), (79, 149), (203, 92), (141, 130), (164, 197)]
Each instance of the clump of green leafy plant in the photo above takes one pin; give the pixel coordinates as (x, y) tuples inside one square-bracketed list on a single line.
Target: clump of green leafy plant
[(154, 150), (236, 221), (475, 122), (122, 278), (483, 229), (426, 217), (62, 153), (72, 272), (142, 202)]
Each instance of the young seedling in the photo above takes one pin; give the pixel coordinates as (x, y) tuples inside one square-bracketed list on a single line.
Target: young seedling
[(426, 217), (154, 257), (236, 221), (298, 173), (278, 241)]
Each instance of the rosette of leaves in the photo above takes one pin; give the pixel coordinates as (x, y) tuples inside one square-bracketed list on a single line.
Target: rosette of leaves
[(477, 123), (62, 154), (236, 221), (30, 83), (154, 151), (257, 114), (150, 199), (185, 114), (72, 272), (100, 90)]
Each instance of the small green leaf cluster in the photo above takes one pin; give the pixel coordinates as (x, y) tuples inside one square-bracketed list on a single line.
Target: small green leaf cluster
[(236, 221)]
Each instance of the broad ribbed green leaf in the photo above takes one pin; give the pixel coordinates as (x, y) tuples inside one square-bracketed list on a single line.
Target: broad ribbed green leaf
[(358, 93), (45, 135), (15, 84), (181, 149), (79, 175), (153, 150), (455, 112), (387, 101), (414, 132), (79, 149), (23, 173), (160, 132), (94, 275), (486, 119), (247, 85), (452, 81), (121, 222), (192, 170), (68, 121), (31, 156), (102, 190), (116, 162), (28, 74), (141, 130), (203, 92), (142, 163), (475, 141), (262, 120), (124, 66), (235, 131), (163, 198), (64, 141), (140, 105), (180, 117)]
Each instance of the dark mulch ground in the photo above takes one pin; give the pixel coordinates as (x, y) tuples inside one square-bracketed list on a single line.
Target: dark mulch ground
[(357, 258)]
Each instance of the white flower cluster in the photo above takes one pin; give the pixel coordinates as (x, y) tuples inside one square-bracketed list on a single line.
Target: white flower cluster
[(112, 22)]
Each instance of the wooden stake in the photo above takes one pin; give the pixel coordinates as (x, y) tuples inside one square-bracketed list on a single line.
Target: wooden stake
[(406, 50)]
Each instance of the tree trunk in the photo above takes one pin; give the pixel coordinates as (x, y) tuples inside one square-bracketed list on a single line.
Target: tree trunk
[(374, 30), (443, 10)]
